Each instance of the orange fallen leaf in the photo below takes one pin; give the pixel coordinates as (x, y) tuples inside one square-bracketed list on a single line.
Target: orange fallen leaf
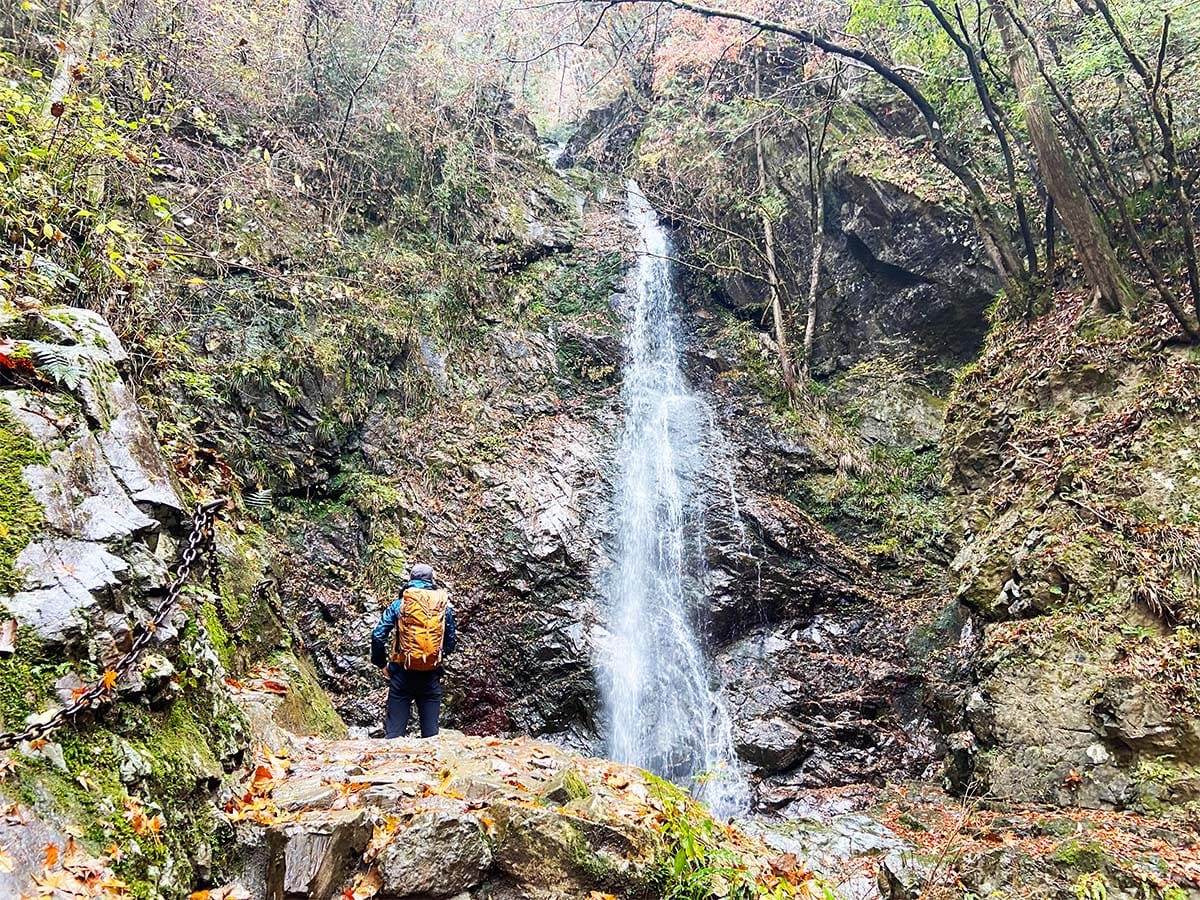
[(51, 855), (366, 884), (108, 679), (616, 780), (274, 687)]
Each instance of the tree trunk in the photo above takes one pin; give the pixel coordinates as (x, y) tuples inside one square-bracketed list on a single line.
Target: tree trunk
[(76, 50), (1051, 254), (814, 277), (86, 38), (1100, 265), (963, 41), (781, 339)]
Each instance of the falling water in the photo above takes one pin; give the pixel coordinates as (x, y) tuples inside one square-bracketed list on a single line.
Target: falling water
[(662, 709)]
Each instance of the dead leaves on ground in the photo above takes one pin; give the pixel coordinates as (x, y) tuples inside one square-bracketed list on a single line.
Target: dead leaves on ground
[(142, 822), (255, 803), (70, 873), (366, 885), (262, 679), (412, 779), (1139, 846)]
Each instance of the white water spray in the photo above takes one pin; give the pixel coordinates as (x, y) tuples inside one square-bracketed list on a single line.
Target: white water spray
[(662, 709)]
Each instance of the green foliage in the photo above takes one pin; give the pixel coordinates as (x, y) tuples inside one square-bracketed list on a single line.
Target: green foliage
[(372, 495), (757, 364), (1091, 886), (58, 365), (61, 242), (697, 863), (554, 289)]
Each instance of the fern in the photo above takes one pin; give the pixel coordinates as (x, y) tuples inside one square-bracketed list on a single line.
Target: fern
[(58, 365), (258, 502)]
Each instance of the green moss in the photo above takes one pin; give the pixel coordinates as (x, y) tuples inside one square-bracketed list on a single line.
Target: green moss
[(27, 679), (575, 786), (221, 641), (177, 745), (557, 288), (20, 514), (306, 708), (1087, 855)]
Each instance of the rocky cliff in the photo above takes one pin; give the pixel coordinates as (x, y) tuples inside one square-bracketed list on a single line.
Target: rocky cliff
[(92, 522), (1073, 481)]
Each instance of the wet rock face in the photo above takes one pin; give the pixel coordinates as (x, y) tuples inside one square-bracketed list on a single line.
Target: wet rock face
[(441, 855), (508, 506), (108, 502), (821, 705), (901, 272), (808, 641)]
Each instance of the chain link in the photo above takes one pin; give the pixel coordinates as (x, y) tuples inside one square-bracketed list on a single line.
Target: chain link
[(264, 590), (199, 541)]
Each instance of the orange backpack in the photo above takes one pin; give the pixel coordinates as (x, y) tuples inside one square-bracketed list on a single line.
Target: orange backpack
[(420, 629)]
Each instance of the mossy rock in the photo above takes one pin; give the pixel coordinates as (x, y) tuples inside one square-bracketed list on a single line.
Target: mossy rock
[(183, 772), (306, 709), (1087, 856), (21, 515)]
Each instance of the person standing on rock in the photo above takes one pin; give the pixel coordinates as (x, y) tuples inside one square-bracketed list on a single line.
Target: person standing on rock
[(407, 645)]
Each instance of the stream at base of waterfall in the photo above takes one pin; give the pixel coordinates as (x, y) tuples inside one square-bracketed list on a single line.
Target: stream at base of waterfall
[(662, 708)]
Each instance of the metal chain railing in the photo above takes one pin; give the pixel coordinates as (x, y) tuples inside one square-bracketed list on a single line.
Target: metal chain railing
[(266, 589), (199, 541), (260, 592)]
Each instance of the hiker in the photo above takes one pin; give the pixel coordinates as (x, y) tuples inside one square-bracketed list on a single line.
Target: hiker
[(407, 645)]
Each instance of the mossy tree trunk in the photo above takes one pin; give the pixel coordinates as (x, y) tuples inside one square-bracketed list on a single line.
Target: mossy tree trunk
[(1101, 268)]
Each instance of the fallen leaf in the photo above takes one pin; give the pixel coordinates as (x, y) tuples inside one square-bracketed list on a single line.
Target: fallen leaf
[(366, 884)]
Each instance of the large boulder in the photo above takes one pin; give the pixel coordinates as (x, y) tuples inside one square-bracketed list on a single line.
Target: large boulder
[(439, 854), (105, 494)]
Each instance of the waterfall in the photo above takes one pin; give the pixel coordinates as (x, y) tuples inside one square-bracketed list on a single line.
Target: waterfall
[(662, 708)]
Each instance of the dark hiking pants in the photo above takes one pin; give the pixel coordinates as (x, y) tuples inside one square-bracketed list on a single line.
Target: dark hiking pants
[(405, 688)]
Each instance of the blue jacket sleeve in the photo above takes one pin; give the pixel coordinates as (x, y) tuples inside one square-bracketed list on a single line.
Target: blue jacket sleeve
[(450, 640), (382, 635)]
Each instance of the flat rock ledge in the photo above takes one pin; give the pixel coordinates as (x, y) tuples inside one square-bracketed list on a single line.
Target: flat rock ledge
[(460, 816)]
